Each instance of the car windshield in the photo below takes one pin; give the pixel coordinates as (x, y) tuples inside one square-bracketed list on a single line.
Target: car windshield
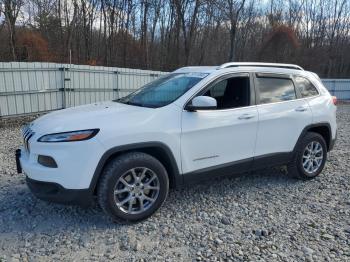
[(163, 91)]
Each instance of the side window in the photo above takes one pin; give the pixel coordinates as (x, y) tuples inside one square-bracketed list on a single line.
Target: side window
[(306, 88), (275, 89), (231, 93), (219, 89)]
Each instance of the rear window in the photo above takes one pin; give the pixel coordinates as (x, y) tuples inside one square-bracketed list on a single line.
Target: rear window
[(273, 89), (305, 87)]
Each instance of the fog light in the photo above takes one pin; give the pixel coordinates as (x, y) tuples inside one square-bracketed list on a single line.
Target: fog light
[(47, 161)]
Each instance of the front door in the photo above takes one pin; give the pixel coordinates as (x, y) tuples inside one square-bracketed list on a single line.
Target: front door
[(221, 140)]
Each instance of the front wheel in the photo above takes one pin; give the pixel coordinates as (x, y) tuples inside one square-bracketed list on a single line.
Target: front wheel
[(310, 157), (132, 187)]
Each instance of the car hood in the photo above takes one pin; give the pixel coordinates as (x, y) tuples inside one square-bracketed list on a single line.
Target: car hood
[(97, 115)]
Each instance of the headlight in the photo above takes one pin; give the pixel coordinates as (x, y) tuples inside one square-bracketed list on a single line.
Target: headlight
[(69, 136)]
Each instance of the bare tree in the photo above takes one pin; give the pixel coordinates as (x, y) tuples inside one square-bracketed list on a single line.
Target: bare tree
[(187, 12), (231, 9), (164, 35), (11, 11)]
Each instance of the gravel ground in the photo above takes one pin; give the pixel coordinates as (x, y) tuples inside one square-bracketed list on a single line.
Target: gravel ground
[(260, 216)]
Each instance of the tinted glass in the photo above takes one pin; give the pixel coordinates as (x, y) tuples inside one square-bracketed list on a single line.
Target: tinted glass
[(231, 93), (275, 89), (306, 88), (164, 90), (219, 89)]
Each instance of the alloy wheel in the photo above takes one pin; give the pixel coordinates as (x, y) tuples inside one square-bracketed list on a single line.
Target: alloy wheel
[(312, 157), (136, 190)]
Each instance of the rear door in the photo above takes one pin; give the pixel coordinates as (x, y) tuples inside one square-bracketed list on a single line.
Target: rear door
[(283, 114)]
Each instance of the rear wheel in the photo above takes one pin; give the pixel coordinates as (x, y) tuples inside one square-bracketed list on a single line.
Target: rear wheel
[(310, 157), (133, 187)]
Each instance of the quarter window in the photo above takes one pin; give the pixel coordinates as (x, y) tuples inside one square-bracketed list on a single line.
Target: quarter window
[(305, 87), (275, 89)]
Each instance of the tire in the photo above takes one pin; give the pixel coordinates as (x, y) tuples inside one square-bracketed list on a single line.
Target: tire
[(134, 178), (299, 166)]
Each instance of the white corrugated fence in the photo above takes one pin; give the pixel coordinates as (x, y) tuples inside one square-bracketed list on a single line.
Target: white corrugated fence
[(27, 88), (338, 87)]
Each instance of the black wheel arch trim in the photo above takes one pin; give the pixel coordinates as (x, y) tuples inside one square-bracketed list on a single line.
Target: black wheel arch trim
[(176, 177), (311, 126)]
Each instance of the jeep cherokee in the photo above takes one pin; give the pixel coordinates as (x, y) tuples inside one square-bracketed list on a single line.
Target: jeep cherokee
[(191, 124)]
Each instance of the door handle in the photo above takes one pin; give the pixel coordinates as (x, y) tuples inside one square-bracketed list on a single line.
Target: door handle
[(300, 109), (245, 116)]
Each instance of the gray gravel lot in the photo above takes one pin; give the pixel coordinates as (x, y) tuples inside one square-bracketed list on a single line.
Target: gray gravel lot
[(260, 216)]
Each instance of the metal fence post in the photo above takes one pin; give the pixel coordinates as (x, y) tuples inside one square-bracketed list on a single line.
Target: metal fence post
[(116, 89), (63, 88)]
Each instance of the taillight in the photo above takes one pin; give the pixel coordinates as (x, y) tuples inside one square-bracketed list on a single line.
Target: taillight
[(334, 100)]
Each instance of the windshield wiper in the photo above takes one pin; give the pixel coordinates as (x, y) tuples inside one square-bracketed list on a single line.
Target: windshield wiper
[(120, 100), (134, 103)]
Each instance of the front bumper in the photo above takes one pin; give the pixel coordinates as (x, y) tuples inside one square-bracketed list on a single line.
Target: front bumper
[(54, 192), (51, 191), (70, 181), (76, 162)]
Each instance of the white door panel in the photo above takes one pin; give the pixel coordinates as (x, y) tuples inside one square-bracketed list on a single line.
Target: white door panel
[(211, 138), (280, 125)]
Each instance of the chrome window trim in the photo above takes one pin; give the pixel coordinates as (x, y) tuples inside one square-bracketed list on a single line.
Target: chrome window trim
[(288, 101), (224, 110)]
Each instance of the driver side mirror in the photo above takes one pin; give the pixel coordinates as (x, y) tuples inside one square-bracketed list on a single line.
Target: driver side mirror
[(202, 103)]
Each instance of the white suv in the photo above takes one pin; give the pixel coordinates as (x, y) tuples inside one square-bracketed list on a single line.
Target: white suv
[(193, 123)]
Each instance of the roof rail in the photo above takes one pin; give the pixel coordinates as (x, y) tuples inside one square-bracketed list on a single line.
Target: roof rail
[(237, 64)]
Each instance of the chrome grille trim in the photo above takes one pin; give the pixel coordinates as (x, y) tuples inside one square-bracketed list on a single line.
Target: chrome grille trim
[(27, 134)]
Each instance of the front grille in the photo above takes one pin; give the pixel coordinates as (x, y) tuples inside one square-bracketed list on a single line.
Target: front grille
[(27, 134)]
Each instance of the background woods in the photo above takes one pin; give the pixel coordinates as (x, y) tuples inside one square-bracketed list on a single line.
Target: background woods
[(163, 35)]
